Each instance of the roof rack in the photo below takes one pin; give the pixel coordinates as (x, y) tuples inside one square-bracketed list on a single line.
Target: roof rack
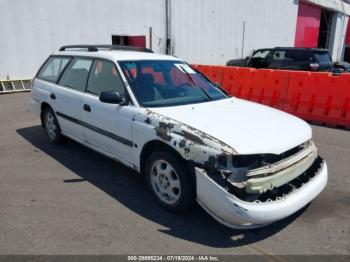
[(95, 48)]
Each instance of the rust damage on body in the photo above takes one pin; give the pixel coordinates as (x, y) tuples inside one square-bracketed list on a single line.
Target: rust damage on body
[(193, 145), (191, 137), (191, 142), (148, 121), (163, 130)]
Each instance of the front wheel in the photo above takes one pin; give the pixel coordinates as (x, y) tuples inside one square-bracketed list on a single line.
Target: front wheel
[(169, 181)]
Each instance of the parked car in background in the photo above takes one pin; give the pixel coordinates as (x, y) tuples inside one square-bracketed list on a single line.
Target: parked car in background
[(290, 58), (246, 164), (342, 66)]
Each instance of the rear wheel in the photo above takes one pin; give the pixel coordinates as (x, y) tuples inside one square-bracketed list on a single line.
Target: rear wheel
[(169, 182), (51, 126)]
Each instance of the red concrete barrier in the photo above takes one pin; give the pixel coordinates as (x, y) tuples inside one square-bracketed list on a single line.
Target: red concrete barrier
[(269, 87), (214, 73), (320, 97), (236, 81)]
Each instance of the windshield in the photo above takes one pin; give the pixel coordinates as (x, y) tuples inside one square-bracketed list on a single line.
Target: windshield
[(261, 54), (159, 83)]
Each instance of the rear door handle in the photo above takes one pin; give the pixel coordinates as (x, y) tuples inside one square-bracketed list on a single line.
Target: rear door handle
[(53, 96), (87, 108)]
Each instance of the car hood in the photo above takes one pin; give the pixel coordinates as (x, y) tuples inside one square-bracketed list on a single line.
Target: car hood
[(247, 127)]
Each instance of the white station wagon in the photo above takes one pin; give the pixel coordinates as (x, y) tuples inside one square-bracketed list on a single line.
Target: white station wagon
[(246, 164)]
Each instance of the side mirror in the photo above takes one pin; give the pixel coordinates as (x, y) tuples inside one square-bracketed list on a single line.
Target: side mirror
[(112, 97)]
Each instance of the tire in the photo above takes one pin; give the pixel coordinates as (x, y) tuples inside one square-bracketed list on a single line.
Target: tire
[(52, 127), (168, 180)]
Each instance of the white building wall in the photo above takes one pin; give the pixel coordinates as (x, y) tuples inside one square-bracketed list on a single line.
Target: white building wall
[(338, 33), (210, 32), (32, 29), (202, 31)]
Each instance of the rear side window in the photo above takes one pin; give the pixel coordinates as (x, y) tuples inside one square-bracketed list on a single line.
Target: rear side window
[(298, 55), (76, 74), (104, 77), (53, 68)]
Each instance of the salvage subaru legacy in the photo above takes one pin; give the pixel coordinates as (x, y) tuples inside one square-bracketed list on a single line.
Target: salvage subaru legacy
[(246, 164)]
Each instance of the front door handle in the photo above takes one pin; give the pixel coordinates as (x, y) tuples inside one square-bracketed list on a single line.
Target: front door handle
[(87, 108)]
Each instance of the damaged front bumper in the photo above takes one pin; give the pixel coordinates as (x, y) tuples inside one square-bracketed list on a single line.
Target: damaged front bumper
[(233, 212), (275, 175)]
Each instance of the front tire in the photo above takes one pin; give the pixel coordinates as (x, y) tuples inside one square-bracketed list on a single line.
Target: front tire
[(169, 181), (52, 128)]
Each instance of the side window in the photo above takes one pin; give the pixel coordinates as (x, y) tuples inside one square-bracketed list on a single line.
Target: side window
[(104, 77), (279, 55), (53, 68), (75, 76)]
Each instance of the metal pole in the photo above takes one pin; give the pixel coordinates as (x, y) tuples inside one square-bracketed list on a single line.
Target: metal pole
[(150, 37), (167, 26), (243, 34)]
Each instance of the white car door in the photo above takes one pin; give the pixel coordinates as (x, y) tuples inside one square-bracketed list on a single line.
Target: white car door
[(69, 97), (107, 126)]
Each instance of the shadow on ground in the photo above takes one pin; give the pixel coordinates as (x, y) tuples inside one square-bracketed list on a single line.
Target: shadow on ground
[(127, 187)]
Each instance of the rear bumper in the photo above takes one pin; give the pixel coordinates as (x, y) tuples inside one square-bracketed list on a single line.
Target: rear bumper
[(236, 213)]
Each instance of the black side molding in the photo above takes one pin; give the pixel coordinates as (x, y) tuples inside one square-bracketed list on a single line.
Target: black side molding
[(97, 129)]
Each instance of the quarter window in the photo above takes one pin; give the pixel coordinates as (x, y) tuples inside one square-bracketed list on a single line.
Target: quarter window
[(53, 68), (104, 77), (75, 76)]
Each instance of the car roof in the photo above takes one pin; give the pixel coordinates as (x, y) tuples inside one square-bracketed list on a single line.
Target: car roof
[(118, 55), (302, 49), (294, 48)]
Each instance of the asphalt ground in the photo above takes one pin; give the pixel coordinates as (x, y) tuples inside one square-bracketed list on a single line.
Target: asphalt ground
[(71, 200)]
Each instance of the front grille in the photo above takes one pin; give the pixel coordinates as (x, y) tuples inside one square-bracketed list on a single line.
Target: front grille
[(286, 189)]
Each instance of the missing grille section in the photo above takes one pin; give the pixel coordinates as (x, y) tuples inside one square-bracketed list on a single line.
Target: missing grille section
[(284, 190)]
